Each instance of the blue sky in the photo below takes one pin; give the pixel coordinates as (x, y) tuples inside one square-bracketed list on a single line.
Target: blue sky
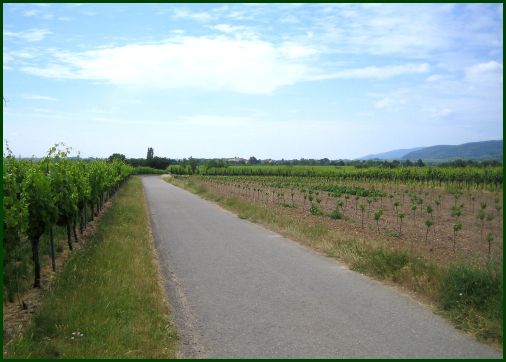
[(264, 80)]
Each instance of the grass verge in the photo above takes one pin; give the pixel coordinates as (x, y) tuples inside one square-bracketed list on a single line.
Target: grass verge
[(108, 301), (470, 297)]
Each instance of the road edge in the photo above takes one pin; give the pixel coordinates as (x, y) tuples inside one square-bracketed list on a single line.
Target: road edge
[(189, 345)]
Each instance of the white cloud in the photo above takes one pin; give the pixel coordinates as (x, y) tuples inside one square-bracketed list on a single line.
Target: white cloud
[(377, 72), (489, 72), (226, 28), (31, 12), (237, 31), (192, 15), (32, 35), (52, 71), (36, 10), (383, 103), (22, 53), (445, 113), (211, 63), (38, 97), (289, 19), (415, 31), (392, 100), (441, 113), (239, 15), (436, 78), (293, 50), (17, 58)]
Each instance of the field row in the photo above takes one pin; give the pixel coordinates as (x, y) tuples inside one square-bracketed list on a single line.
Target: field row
[(490, 177), (443, 223)]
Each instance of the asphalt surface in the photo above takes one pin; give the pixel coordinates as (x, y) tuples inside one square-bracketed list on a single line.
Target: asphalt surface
[(239, 290)]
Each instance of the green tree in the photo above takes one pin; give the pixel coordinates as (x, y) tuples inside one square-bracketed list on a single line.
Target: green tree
[(396, 205), (429, 211), (117, 156), (428, 223), (377, 217), (456, 212), (150, 154), (413, 207), (193, 164)]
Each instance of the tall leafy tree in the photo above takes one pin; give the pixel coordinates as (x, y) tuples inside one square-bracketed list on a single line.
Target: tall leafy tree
[(117, 156), (150, 154)]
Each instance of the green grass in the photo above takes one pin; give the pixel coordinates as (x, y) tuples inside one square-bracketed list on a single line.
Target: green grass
[(473, 297), (440, 285), (109, 292)]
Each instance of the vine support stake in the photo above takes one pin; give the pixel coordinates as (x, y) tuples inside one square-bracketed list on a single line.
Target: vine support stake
[(51, 243)]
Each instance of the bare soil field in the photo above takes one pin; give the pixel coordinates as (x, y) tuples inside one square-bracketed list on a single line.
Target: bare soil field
[(439, 242)]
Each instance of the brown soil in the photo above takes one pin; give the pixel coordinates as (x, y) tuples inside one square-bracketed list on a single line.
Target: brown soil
[(439, 245), (17, 316)]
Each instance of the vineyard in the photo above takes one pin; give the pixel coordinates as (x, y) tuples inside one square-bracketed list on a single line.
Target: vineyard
[(41, 199), (490, 177), (444, 222)]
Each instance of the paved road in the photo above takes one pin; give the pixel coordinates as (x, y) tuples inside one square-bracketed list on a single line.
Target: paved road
[(239, 290)]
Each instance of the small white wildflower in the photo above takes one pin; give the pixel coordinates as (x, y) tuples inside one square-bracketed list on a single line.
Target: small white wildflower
[(460, 293), (73, 333), (71, 337)]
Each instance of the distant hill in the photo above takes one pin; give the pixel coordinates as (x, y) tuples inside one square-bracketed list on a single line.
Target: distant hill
[(479, 151), (390, 155)]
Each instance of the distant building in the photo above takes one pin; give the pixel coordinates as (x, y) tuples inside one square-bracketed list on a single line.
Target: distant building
[(235, 160)]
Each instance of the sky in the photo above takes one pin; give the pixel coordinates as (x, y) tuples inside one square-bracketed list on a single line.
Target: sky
[(237, 80)]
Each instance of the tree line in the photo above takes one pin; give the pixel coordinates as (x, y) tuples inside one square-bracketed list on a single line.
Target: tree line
[(162, 163)]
